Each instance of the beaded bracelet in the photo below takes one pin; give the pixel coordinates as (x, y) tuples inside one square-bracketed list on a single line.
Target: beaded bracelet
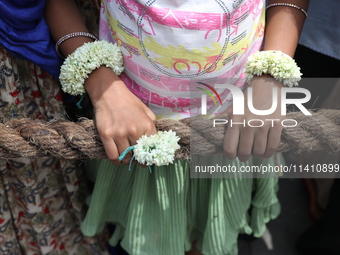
[(71, 35), (78, 65), (289, 5), (275, 63)]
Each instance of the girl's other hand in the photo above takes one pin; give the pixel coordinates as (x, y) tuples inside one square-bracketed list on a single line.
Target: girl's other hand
[(120, 117), (242, 141)]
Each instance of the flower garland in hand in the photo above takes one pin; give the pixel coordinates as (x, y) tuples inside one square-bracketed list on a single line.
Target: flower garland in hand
[(158, 149)]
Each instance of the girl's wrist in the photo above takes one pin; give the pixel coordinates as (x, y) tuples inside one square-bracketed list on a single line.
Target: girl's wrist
[(268, 79), (103, 81), (265, 81)]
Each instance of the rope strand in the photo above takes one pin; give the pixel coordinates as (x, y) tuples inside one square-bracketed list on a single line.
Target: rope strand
[(80, 140)]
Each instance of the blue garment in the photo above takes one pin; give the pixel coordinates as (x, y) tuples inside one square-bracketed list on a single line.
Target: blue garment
[(25, 34), (321, 31)]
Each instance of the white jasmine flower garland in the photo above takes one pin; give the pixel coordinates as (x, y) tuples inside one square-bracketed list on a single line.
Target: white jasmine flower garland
[(275, 63), (158, 149), (84, 60)]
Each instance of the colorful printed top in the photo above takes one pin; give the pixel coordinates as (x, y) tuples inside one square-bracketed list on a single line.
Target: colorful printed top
[(176, 50)]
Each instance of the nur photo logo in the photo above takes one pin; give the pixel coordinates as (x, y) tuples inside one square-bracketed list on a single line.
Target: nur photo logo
[(204, 96), (239, 104)]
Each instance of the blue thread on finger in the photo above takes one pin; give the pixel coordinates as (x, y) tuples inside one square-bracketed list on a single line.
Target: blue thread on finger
[(122, 156)]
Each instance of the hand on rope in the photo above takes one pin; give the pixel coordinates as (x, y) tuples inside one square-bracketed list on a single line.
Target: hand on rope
[(121, 118), (242, 139)]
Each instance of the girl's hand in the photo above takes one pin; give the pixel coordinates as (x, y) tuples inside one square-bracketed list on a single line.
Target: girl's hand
[(121, 118), (262, 142)]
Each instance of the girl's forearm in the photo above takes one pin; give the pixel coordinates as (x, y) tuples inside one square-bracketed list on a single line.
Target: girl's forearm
[(284, 25), (63, 17)]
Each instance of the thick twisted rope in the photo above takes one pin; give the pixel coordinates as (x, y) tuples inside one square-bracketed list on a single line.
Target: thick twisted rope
[(80, 140)]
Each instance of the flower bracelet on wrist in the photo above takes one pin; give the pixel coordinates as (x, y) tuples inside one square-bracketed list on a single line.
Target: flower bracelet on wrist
[(78, 65), (275, 63)]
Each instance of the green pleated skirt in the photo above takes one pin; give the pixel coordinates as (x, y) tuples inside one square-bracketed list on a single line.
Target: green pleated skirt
[(163, 212)]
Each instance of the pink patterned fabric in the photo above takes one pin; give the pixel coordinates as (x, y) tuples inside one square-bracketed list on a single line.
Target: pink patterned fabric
[(170, 45)]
